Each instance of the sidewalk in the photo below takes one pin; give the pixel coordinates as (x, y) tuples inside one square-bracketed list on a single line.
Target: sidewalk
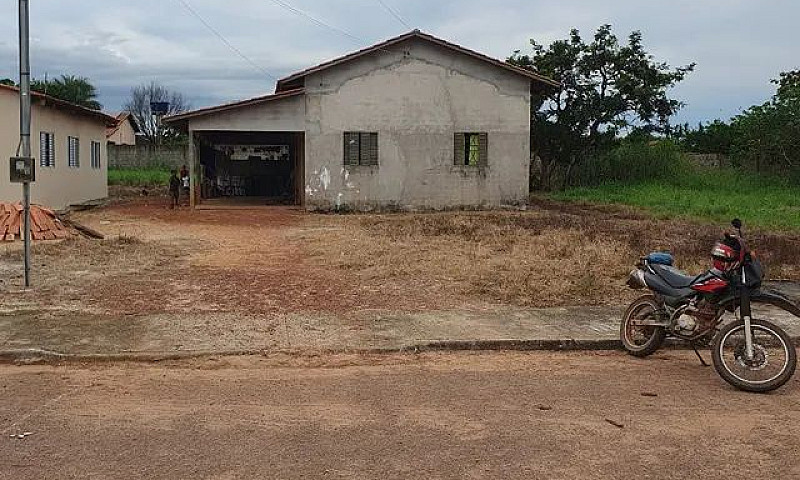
[(75, 334)]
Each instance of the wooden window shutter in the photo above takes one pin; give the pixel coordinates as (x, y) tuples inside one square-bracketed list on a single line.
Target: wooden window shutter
[(369, 148), (44, 150), (51, 150), (351, 148), (484, 145), (459, 149)]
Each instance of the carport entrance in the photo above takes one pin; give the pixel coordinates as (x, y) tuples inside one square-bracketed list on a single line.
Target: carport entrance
[(250, 168)]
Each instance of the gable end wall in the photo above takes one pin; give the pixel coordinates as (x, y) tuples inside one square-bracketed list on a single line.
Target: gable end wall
[(416, 97)]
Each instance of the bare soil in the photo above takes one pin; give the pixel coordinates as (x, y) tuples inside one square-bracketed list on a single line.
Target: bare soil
[(510, 416), (283, 260)]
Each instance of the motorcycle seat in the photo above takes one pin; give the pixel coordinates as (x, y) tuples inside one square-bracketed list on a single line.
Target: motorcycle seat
[(674, 277)]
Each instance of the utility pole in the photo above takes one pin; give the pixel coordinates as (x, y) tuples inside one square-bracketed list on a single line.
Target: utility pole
[(25, 124)]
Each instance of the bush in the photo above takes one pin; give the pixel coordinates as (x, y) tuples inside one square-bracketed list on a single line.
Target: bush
[(138, 177), (633, 162)]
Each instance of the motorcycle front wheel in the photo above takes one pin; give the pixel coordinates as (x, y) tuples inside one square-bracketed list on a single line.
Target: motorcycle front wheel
[(774, 356), (641, 341)]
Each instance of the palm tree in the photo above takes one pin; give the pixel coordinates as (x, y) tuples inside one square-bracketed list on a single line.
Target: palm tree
[(77, 90)]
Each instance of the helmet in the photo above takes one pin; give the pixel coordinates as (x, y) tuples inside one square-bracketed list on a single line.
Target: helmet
[(726, 257)]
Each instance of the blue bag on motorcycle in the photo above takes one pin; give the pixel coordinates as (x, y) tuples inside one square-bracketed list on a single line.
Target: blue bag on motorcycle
[(660, 258)]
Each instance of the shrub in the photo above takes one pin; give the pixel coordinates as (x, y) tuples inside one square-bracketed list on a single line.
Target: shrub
[(138, 177), (633, 162)]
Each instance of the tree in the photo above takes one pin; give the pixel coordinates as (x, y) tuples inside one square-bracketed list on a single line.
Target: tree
[(606, 89), (716, 137), (77, 90), (139, 107), (8, 82), (768, 136)]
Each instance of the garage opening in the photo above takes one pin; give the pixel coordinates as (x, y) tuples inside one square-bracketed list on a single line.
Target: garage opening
[(250, 168)]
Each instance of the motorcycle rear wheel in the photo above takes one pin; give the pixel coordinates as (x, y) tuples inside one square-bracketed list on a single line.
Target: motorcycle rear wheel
[(773, 364), (641, 341)]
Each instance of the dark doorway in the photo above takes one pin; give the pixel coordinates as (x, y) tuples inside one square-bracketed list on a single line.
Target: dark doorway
[(258, 168)]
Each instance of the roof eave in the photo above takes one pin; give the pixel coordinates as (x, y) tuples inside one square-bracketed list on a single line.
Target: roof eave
[(179, 119), (109, 120), (534, 77)]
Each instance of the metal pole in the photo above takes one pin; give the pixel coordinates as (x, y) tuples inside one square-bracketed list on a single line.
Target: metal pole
[(25, 123)]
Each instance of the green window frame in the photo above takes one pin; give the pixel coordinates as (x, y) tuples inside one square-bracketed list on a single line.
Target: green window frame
[(471, 149)]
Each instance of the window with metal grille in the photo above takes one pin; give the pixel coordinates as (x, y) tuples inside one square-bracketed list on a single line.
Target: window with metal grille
[(47, 149), (96, 155), (73, 152), (360, 148), (471, 149)]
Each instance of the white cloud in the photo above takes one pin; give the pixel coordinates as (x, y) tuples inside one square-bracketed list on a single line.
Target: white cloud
[(738, 44)]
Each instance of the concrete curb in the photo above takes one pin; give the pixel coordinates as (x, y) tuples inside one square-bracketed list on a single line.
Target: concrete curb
[(34, 356), (41, 356)]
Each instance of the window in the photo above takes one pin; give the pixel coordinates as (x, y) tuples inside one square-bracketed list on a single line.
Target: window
[(360, 148), (96, 155), (47, 149), (73, 152), (471, 149)]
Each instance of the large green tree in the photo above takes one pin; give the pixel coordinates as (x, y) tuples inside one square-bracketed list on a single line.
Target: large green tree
[(768, 135), (607, 87), (77, 90), (764, 137)]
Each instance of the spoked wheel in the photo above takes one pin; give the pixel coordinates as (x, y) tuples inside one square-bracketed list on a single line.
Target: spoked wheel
[(774, 356), (641, 340)]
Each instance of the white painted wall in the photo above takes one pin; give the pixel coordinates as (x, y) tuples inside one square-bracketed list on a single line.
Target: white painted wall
[(60, 186)]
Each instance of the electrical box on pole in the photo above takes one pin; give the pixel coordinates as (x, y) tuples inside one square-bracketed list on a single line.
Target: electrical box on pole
[(23, 170)]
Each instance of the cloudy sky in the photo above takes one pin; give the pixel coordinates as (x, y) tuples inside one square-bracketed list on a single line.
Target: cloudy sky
[(738, 44)]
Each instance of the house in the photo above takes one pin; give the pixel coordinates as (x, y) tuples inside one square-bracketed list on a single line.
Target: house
[(68, 142), (124, 132), (414, 122)]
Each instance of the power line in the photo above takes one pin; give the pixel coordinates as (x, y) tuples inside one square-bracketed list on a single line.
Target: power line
[(394, 13), (225, 41), (318, 22)]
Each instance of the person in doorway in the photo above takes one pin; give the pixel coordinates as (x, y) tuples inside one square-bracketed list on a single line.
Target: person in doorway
[(174, 189), (185, 183)]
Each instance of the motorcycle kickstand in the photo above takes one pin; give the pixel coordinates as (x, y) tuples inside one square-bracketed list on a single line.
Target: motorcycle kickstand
[(696, 352)]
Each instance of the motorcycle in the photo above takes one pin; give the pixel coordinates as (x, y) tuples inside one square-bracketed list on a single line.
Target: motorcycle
[(751, 353)]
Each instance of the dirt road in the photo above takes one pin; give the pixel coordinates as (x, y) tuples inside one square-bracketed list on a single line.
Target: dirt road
[(538, 415)]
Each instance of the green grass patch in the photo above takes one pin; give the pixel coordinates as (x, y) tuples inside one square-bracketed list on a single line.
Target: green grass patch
[(138, 177), (709, 195)]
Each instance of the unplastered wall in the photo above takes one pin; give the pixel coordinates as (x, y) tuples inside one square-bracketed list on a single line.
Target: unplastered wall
[(416, 97), (60, 186)]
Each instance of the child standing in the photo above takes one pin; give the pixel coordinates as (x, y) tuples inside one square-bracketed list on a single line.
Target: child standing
[(174, 189), (185, 182)]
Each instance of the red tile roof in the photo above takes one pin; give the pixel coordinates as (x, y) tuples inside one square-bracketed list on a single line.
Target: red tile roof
[(121, 118), (67, 106)]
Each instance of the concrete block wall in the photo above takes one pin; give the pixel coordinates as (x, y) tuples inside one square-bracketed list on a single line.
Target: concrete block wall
[(147, 156), (416, 100)]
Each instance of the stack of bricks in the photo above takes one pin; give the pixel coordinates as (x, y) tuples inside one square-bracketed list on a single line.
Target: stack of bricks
[(44, 224)]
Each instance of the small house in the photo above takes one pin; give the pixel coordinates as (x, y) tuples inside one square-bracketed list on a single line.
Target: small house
[(414, 122), (68, 142)]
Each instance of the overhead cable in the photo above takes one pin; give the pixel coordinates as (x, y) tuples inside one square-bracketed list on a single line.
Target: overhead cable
[(225, 41)]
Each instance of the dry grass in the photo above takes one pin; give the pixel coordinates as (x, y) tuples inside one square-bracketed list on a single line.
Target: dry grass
[(71, 273), (283, 261), (551, 256), (476, 257)]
